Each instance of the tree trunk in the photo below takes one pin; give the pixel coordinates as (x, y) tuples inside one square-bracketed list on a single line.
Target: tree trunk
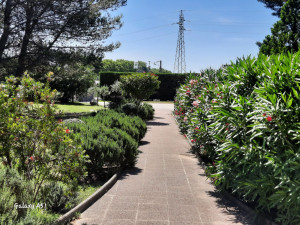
[(28, 31), (6, 22)]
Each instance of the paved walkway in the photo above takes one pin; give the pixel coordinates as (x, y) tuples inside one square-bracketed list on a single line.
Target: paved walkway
[(167, 186)]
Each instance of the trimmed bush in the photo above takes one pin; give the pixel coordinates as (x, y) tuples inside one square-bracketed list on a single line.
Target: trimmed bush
[(130, 108), (110, 139), (146, 111), (245, 120), (139, 86)]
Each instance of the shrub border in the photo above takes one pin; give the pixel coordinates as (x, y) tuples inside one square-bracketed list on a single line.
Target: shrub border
[(260, 219), (89, 201)]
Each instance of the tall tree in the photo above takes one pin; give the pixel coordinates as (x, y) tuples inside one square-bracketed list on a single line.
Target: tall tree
[(122, 65), (285, 33), (34, 31), (275, 5)]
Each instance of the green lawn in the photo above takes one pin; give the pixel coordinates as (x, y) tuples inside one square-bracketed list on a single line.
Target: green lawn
[(78, 108), (86, 191)]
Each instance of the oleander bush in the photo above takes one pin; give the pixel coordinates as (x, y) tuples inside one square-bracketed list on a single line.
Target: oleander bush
[(244, 120), (35, 149)]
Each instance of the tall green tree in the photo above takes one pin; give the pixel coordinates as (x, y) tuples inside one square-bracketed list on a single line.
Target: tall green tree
[(122, 65), (285, 35), (72, 80), (34, 31), (275, 5)]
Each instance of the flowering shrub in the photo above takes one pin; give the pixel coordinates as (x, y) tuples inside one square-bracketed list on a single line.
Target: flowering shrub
[(32, 140), (245, 120)]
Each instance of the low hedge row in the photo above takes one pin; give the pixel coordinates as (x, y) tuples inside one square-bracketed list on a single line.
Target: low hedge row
[(169, 83), (244, 120), (110, 139)]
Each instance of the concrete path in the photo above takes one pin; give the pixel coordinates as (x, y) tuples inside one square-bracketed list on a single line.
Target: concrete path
[(167, 186)]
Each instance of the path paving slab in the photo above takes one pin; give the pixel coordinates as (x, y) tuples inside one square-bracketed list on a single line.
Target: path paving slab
[(166, 187)]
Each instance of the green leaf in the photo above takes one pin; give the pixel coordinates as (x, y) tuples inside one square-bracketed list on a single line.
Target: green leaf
[(289, 103), (295, 93)]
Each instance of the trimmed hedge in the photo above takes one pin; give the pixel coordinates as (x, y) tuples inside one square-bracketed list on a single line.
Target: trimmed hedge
[(168, 85), (108, 78), (110, 139), (167, 90)]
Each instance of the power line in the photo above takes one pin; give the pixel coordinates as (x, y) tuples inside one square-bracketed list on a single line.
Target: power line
[(146, 29), (149, 38)]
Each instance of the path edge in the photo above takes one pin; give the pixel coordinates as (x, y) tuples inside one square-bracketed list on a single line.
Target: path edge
[(260, 218), (89, 201)]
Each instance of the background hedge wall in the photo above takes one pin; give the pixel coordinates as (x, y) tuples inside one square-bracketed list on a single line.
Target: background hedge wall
[(108, 78), (169, 83)]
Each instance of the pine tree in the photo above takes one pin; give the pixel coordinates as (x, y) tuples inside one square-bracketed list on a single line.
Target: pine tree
[(35, 32), (275, 5), (285, 35)]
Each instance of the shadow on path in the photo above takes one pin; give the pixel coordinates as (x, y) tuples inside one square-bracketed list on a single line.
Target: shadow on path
[(152, 123), (157, 117), (144, 143), (230, 208), (130, 172)]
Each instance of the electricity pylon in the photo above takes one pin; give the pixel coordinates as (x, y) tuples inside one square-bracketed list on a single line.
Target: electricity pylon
[(179, 65)]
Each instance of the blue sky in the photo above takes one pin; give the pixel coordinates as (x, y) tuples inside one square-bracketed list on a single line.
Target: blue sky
[(220, 31)]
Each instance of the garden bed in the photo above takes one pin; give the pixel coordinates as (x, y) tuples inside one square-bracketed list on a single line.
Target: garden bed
[(46, 162)]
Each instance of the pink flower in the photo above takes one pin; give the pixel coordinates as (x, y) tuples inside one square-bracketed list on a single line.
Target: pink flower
[(185, 118), (67, 131), (31, 158), (269, 118), (192, 82), (195, 104), (193, 140), (264, 114), (188, 92)]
